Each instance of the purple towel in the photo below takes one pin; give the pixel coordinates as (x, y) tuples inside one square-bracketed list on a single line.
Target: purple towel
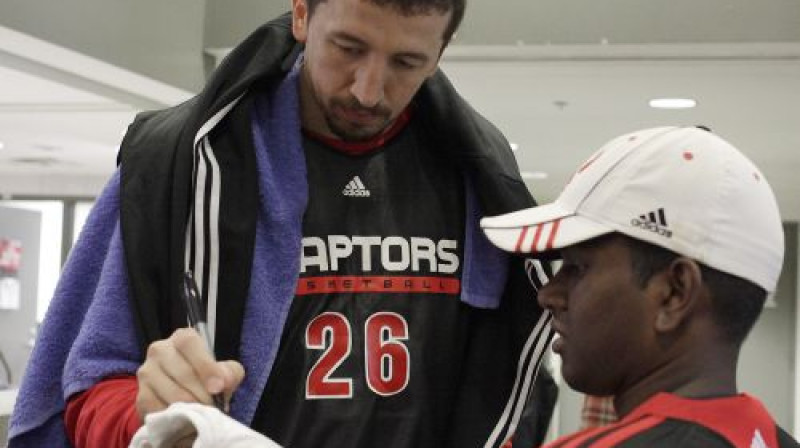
[(283, 194), (89, 283)]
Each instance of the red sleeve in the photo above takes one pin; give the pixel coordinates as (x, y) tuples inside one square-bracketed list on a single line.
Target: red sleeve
[(105, 415)]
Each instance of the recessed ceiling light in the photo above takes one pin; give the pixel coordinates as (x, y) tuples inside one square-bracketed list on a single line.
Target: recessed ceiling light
[(534, 175), (514, 146), (2, 145), (672, 103), (40, 161), (47, 147)]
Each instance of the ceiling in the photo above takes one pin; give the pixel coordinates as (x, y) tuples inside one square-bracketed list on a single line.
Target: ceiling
[(559, 93), (52, 127), (62, 115)]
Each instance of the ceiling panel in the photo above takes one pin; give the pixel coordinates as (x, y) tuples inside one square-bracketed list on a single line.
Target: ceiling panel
[(557, 22)]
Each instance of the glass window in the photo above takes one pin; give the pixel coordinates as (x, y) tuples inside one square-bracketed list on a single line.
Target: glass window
[(82, 209), (50, 248)]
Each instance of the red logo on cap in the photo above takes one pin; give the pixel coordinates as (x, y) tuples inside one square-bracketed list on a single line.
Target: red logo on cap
[(688, 155)]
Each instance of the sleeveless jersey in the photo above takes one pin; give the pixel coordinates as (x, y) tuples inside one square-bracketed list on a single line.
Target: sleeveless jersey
[(666, 420), (373, 344)]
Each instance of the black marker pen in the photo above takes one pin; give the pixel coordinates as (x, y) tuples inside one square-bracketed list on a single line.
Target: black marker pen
[(191, 299)]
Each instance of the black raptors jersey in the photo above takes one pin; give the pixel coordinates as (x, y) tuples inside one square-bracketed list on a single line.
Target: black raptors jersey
[(371, 350)]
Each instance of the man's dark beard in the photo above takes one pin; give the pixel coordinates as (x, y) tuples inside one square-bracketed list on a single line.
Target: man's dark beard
[(348, 134)]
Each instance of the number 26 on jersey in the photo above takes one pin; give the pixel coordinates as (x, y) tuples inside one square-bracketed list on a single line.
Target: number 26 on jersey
[(386, 360)]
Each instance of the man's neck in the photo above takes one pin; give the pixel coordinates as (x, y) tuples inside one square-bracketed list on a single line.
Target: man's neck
[(694, 375), (366, 146)]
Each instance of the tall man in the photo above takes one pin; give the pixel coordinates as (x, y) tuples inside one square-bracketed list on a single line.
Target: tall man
[(324, 189), (670, 240)]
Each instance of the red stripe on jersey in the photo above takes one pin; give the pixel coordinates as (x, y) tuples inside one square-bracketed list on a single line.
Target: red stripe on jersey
[(574, 440), (579, 438), (536, 237), (377, 283), (521, 239), (553, 233), (625, 432), (736, 418)]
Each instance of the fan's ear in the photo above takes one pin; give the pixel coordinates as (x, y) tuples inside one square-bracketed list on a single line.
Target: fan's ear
[(678, 293)]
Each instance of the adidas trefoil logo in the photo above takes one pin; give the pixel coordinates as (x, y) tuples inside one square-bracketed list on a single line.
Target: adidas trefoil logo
[(356, 188), (655, 221)]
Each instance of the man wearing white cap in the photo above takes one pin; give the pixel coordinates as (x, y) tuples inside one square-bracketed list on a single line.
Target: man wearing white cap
[(671, 240)]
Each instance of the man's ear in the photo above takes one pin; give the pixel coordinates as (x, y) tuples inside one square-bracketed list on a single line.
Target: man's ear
[(300, 20), (679, 292)]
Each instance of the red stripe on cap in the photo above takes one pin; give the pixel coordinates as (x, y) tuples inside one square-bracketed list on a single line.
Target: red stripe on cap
[(614, 438), (522, 234), (590, 162), (536, 238), (553, 232)]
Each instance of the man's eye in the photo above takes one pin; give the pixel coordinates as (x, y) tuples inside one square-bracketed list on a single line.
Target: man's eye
[(572, 268), (406, 63), (349, 49)]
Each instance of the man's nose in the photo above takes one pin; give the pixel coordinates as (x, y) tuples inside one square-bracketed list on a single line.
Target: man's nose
[(551, 296), (369, 82)]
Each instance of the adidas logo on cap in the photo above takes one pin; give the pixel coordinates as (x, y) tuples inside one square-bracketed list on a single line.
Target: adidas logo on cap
[(655, 221), (355, 188)]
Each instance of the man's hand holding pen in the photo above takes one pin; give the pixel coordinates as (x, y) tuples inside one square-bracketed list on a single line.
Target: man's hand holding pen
[(182, 368)]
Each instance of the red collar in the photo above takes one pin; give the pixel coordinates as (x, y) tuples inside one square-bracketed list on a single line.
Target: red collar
[(737, 418), (367, 146)]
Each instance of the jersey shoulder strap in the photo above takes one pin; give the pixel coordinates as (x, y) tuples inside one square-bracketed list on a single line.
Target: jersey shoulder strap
[(741, 419), (785, 440)]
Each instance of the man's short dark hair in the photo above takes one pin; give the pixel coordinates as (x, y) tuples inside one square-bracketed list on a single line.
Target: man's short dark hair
[(736, 302), (414, 7)]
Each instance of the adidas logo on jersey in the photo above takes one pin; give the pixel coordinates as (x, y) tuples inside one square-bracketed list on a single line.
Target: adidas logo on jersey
[(655, 221), (355, 188)]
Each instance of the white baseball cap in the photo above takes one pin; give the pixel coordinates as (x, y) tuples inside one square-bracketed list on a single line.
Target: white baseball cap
[(681, 188)]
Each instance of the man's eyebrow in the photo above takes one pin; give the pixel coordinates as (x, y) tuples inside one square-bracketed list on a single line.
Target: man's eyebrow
[(418, 56), (343, 35), (349, 38)]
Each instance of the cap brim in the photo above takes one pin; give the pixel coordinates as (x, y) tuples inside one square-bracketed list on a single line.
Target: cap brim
[(540, 229)]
